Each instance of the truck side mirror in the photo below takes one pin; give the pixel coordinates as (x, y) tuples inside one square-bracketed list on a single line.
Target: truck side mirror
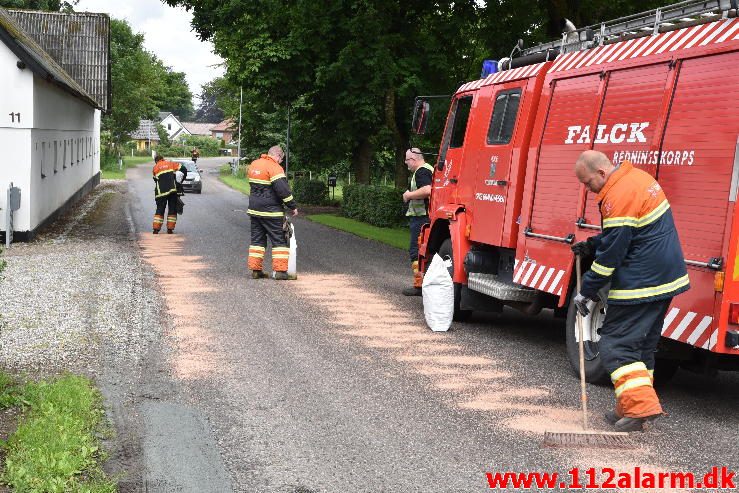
[(420, 117)]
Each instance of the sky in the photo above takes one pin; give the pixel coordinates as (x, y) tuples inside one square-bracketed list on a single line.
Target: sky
[(168, 35)]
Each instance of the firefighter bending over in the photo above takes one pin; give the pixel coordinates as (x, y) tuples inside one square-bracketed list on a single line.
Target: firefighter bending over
[(270, 194), (417, 197), (165, 192), (639, 253)]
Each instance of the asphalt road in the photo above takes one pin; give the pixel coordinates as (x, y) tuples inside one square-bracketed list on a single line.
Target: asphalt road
[(333, 382)]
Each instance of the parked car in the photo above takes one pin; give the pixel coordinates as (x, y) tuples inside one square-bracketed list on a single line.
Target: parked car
[(193, 181)]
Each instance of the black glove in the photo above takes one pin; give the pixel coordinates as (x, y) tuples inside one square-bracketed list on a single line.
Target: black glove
[(581, 303), (584, 249)]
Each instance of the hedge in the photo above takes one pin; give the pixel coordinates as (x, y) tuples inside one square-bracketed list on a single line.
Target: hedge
[(376, 205), (310, 192)]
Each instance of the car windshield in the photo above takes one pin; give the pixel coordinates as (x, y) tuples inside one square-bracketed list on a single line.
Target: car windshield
[(191, 167)]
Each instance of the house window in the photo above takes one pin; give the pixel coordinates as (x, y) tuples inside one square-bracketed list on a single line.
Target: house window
[(169, 126), (43, 159), (64, 156), (219, 135), (56, 156)]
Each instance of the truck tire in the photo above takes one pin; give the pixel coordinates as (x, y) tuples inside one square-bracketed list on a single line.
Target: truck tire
[(445, 250), (594, 370)]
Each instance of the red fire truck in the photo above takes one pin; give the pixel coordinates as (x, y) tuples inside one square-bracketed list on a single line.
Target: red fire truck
[(658, 89)]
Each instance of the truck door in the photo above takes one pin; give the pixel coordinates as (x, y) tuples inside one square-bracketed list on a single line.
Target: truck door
[(696, 167), (493, 166), (451, 156), (629, 122)]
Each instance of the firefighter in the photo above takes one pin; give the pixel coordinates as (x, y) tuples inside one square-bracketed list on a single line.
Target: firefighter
[(639, 254), (270, 194), (165, 192), (417, 197)]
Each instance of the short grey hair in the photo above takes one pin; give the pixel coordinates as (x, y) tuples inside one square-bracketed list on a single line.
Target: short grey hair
[(276, 151), (416, 151)]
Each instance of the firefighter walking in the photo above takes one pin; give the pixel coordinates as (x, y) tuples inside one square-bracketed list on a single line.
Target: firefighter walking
[(639, 253), (270, 194), (165, 192)]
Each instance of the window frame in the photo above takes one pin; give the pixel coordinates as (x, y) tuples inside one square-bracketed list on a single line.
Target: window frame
[(507, 94), (451, 125)]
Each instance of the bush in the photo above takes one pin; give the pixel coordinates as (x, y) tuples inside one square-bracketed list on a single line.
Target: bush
[(310, 192), (376, 205)]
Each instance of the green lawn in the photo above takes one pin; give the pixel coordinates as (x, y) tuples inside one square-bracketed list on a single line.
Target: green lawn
[(128, 161), (236, 182), (56, 446), (396, 237)]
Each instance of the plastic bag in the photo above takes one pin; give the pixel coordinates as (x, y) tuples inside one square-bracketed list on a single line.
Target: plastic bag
[(438, 295), (292, 261)]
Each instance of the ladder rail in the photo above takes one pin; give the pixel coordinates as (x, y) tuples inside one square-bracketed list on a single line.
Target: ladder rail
[(651, 20)]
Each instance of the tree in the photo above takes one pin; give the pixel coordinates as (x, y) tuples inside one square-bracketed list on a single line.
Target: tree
[(208, 110), (173, 93), (133, 81), (49, 5)]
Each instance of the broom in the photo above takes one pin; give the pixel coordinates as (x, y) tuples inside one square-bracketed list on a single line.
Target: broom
[(586, 437)]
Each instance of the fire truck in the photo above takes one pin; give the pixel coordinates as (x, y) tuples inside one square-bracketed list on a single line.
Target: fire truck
[(658, 89)]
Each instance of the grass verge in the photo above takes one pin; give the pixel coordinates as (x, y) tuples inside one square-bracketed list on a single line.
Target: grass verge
[(395, 237), (55, 447), (128, 161), (237, 182)]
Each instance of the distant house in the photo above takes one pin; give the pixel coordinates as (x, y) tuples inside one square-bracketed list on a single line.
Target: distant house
[(172, 125), (224, 130), (54, 86), (146, 136), (201, 129)]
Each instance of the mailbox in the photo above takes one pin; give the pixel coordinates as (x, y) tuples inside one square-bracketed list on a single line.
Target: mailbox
[(332, 181), (15, 198)]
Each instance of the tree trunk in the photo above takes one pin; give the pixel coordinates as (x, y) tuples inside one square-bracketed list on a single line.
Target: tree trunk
[(400, 140), (361, 159)]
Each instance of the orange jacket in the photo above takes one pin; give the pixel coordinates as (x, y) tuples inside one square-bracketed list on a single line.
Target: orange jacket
[(270, 191), (164, 177)]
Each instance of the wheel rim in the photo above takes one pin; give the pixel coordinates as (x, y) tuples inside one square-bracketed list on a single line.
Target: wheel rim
[(592, 325)]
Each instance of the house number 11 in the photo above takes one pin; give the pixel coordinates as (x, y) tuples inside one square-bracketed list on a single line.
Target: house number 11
[(13, 116)]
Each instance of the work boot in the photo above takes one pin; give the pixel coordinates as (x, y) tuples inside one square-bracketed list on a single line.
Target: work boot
[(258, 274), (156, 231), (170, 231), (636, 424), (412, 292), (612, 417), (280, 276)]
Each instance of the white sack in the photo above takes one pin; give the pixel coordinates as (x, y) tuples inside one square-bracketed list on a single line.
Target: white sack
[(438, 295), (292, 261)]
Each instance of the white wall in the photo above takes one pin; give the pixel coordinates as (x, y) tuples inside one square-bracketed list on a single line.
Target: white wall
[(173, 122), (16, 96), (65, 148)]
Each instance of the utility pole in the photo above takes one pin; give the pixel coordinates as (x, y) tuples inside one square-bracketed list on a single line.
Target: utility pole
[(287, 145), (238, 152)]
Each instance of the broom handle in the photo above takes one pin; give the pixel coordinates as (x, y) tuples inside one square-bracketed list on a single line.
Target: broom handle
[(581, 347)]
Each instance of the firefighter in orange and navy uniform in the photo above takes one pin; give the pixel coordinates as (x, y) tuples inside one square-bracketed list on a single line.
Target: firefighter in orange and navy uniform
[(165, 192), (270, 194), (639, 253)]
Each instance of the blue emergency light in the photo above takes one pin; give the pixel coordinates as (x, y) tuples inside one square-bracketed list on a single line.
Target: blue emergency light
[(489, 67)]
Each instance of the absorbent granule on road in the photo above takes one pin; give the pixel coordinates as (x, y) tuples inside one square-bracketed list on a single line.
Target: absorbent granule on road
[(179, 277), (476, 383)]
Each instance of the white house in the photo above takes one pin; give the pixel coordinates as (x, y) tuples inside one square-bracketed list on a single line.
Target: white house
[(49, 123), (175, 129)]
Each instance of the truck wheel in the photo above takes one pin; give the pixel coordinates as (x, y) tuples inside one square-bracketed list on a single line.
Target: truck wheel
[(445, 250), (594, 370)]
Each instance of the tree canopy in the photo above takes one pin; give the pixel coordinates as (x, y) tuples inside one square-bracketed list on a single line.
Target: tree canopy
[(350, 69)]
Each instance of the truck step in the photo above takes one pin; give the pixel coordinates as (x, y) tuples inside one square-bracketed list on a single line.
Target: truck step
[(490, 285)]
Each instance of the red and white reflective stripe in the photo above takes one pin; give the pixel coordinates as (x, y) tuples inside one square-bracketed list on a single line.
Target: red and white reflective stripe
[(538, 276), (690, 327), (714, 32), (505, 76)]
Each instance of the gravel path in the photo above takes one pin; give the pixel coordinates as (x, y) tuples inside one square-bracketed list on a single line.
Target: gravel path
[(78, 298)]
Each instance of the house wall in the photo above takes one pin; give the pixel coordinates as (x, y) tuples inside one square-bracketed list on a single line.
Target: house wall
[(64, 151), (172, 125), (15, 134)]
